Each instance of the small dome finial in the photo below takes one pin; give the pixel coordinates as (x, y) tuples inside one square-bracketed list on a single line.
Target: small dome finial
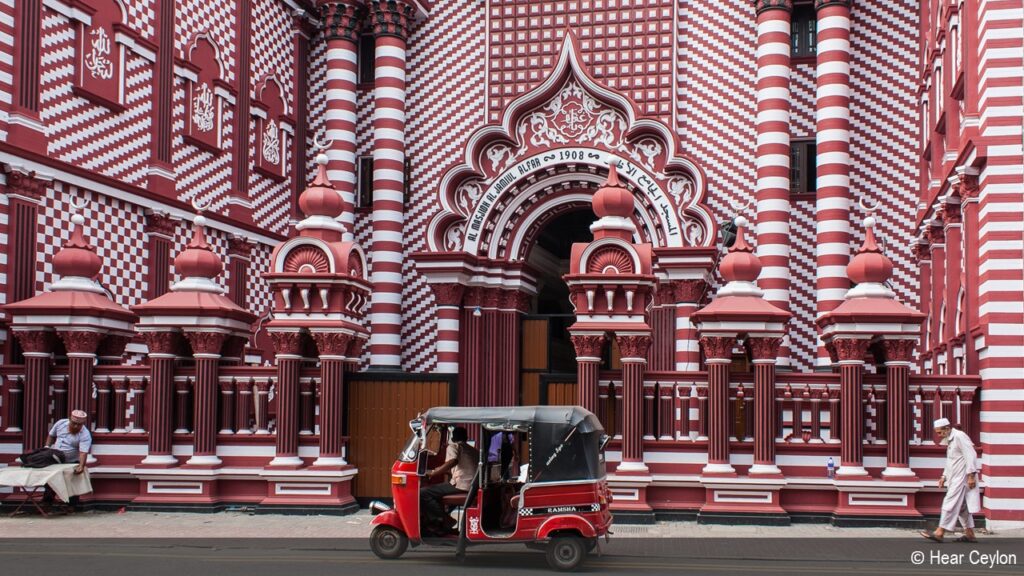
[(198, 264), (77, 258), (869, 265)]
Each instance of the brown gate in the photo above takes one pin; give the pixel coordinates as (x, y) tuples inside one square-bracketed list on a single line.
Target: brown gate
[(380, 407)]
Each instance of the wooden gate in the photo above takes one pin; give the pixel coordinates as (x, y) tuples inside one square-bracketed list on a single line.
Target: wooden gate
[(380, 407)]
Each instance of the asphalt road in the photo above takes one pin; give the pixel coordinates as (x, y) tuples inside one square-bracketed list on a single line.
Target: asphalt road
[(312, 557)]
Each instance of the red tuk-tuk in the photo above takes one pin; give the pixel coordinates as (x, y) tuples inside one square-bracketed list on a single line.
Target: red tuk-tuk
[(558, 502)]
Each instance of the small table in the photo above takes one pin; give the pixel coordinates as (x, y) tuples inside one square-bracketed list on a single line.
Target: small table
[(61, 478)]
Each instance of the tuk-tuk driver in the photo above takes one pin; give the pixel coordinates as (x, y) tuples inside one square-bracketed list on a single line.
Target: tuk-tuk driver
[(461, 459)]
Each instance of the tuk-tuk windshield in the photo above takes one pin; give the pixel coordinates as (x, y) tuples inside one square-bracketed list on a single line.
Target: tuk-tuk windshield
[(558, 454)]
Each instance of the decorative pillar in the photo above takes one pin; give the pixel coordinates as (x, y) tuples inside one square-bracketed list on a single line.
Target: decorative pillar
[(448, 299), (851, 373), (718, 357), (923, 259), (102, 414), (60, 399), (898, 355), (182, 406), (764, 350), (262, 391), (341, 27), (244, 405), (833, 158), (773, 153), (689, 294), (81, 346), (24, 124), (952, 225), (332, 347), (970, 279), (937, 242), (470, 376), (13, 402), (138, 388), (663, 320), (513, 304), (206, 347), (634, 362), (162, 347), (227, 406), (588, 364), (288, 349), (161, 171), (391, 22), (307, 404), (37, 346)]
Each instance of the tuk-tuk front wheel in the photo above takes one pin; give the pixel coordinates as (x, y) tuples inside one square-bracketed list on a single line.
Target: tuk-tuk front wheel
[(388, 542), (566, 553)]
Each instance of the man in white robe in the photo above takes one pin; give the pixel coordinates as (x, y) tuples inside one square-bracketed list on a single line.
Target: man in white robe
[(960, 478)]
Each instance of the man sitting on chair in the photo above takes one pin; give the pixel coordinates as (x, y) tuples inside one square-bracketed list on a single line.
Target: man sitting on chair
[(70, 437), (461, 460)]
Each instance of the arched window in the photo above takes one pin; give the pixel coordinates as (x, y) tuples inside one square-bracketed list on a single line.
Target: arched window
[(205, 94), (99, 63), (273, 129)]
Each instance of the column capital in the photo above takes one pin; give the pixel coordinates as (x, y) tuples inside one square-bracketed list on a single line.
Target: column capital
[(240, 246), (936, 235), (690, 291), (921, 251), (514, 300), (112, 347), (633, 346), (35, 341), (448, 293), (332, 343), (161, 342), (969, 187), (355, 349), (950, 214), (160, 223), (851, 349), (342, 19), (24, 183), (761, 6), (287, 342), (121, 385), (81, 341), (206, 342), (718, 347), (588, 346), (392, 17), (819, 4), (764, 347), (899, 350), (139, 385)]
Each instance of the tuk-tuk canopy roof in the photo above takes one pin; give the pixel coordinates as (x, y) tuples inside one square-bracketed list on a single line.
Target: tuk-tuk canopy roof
[(514, 416)]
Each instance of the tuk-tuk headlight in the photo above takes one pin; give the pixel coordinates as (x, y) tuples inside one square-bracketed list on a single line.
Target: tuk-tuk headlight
[(398, 479)]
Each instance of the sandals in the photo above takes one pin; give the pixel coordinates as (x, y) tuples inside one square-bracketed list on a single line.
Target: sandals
[(930, 536), (966, 539)]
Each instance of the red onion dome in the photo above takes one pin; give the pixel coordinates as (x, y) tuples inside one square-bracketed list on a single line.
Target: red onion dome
[(198, 260), (741, 263), (321, 199), (78, 257), (870, 264), (613, 199)]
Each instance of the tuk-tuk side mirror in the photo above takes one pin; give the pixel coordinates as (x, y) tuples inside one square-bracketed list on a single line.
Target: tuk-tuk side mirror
[(604, 441), (421, 463)]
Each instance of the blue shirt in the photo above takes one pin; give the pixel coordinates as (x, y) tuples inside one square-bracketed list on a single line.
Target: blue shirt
[(68, 443)]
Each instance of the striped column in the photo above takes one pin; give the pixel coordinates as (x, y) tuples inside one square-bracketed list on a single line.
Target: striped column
[(772, 189), (288, 353), (898, 355), (227, 406), (332, 347), (341, 26), (138, 420), (952, 226), (162, 347), (101, 419), (37, 347), (206, 348), (937, 242), (850, 353), (391, 21), (448, 299), (244, 405), (588, 364), (634, 364), (764, 351), (718, 354), (689, 293), (833, 158)]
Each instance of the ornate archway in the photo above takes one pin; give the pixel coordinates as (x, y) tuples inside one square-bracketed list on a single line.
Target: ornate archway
[(566, 129)]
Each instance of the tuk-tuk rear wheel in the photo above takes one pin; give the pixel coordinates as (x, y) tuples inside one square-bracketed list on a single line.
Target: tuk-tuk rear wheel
[(388, 542), (566, 553)]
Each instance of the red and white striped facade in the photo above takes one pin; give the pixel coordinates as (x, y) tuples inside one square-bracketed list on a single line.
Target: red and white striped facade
[(914, 106)]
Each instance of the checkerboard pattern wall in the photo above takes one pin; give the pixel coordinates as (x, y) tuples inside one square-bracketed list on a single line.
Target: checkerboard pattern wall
[(140, 16)]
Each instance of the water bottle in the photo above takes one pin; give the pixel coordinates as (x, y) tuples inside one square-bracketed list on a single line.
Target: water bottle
[(830, 468)]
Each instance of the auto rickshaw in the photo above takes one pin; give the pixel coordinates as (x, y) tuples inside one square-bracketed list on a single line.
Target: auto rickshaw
[(558, 502)]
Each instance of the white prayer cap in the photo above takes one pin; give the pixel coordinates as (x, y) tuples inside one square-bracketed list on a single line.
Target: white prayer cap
[(941, 423)]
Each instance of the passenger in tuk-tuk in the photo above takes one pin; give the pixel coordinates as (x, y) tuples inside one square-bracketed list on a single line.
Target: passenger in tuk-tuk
[(461, 459), (501, 456)]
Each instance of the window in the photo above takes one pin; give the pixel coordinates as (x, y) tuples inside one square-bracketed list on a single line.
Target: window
[(364, 182), (365, 57), (803, 30), (803, 167)]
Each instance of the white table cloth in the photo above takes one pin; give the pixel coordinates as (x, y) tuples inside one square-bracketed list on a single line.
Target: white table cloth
[(60, 477)]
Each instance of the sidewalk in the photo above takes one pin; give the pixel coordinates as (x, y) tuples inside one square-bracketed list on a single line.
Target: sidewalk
[(245, 525)]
